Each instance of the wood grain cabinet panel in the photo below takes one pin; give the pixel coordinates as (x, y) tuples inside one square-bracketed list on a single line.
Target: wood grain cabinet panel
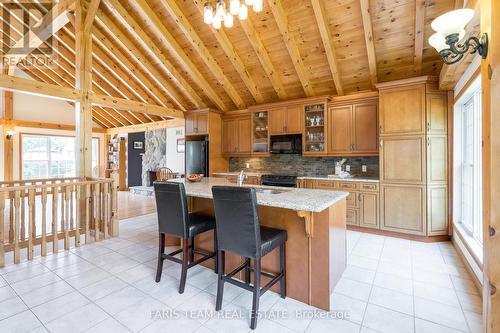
[(437, 210), (437, 110), (237, 136), (437, 159), (403, 208), (368, 208), (190, 123), (294, 119), (245, 135), (339, 120), (365, 128), (352, 217), (402, 110), (196, 123), (201, 123), (402, 159), (229, 136), (277, 121)]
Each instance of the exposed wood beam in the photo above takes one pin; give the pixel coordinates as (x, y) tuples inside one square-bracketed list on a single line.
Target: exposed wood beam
[(230, 51), (36, 124), (171, 123), (291, 45), (38, 88), (125, 104), (8, 149), (170, 42), (264, 58), (326, 38), (52, 22), (370, 45), (91, 13), (419, 35), (198, 45)]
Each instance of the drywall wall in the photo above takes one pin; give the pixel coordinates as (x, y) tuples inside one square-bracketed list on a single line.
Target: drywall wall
[(175, 160)]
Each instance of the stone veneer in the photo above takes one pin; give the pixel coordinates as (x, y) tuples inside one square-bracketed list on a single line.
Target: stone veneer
[(155, 152), (286, 164)]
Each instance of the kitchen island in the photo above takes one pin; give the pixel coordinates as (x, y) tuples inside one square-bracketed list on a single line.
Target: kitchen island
[(316, 224)]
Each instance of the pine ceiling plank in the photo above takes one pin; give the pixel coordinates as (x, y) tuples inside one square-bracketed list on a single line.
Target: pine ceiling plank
[(419, 35), (264, 58), (120, 12), (40, 32), (230, 51), (199, 46), (370, 46), (133, 53), (326, 38), (291, 45)]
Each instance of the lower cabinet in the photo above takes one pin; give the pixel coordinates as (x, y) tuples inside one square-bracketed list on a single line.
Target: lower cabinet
[(368, 208), (403, 208)]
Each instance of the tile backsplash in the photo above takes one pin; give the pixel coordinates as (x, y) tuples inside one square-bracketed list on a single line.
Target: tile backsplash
[(304, 166)]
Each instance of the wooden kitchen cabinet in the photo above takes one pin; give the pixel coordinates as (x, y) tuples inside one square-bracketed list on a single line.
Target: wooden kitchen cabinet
[(437, 110), (237, 135), (437, 210), (402, 110), (353, 129), (196, 123), (285, 120), (402, 159), (368, 208)]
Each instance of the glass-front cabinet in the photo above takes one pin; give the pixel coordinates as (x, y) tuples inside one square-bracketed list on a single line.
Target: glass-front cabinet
[(314, 129), (260, 133)]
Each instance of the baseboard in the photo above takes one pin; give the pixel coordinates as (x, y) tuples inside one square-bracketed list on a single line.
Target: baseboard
[(426, 239)]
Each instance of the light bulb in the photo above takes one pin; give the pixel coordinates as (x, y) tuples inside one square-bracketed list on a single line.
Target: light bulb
[(452, 22), (228, 20), (438, 42), (234, 7), (217, 22), (208, 13), (249, 2), (243, 13), (258, 6), (220, 9)]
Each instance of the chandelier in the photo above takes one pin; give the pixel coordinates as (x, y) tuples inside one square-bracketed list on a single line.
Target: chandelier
[(219, 13)]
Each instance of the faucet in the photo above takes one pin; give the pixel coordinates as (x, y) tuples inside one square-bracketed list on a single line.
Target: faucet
[(241, 178)]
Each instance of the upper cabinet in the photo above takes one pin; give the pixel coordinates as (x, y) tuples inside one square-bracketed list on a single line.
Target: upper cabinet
[(196, 122), (285, 120), (315, 141), (260, 133), (353, 127), (237, 135), (402, 110), (437, 105)]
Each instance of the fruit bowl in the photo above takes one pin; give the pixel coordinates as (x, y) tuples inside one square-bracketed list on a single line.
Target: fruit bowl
[(194, 178)]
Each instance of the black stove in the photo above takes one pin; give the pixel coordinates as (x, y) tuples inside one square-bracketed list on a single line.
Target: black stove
[(279, 180)]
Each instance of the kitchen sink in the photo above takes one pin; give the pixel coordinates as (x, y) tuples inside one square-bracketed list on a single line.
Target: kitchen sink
[(269, 190)]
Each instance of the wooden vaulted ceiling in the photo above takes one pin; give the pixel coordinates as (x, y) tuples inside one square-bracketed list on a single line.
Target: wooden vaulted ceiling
[(161, 52)]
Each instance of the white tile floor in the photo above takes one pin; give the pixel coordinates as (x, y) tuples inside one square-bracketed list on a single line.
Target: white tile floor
[(390, 285)]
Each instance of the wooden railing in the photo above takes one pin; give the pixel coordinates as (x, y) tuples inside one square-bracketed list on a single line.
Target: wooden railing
[(42, 213)]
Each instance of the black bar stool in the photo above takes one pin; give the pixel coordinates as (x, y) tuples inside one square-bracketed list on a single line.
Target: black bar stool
[(174, 219), (239, 231)]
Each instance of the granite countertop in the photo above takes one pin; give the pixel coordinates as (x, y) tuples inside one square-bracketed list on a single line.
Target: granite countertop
[(292, 198), (346, 179), (235, 173)]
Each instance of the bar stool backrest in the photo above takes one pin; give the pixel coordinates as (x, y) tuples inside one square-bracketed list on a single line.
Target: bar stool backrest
[(171, 205), (237, 218)]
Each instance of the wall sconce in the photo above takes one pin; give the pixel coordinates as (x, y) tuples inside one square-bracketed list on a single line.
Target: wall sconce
[(449, 29), (9, 134), (122, 136)]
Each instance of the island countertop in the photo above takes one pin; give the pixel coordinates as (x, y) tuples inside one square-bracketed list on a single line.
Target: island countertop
[(291, 198)]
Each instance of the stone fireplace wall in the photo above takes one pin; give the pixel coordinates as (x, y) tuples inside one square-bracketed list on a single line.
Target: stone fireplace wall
[(155, 155)]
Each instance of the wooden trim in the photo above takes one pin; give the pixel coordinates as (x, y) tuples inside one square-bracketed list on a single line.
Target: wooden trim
[(450, 134), (425, 239), (361, 97), (467, 266), (406, 82), (370, 45), (471, 80), (291, 45), (328, 45), (459, 231), (298, 101)]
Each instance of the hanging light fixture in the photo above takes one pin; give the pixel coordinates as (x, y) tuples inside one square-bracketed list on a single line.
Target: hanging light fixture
[(450, 29), (218, 13)]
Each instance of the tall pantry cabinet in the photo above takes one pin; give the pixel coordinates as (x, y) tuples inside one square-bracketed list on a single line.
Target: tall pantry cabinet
[(413, 157)]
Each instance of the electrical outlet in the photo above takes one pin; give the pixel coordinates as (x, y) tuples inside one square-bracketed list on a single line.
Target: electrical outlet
[(247, 165), (363, 168), (348, 168)]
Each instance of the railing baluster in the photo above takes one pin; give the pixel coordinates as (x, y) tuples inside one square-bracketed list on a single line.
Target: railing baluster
[(11, 217), (106, 209), (44, 222), (114, 210), (31, 223), (17, 217), (23, 216), (2, 218), (78, 210), (97, 211), (67, 212), (55, 199), (87, 213), (71, 209)]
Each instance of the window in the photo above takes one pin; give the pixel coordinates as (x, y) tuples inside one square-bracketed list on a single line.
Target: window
[(45, 156), (468, 163)]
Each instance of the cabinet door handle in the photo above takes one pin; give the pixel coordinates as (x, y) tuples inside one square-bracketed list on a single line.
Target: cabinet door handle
[(428, 126), (380, 129), (359, 197), (381, 143)]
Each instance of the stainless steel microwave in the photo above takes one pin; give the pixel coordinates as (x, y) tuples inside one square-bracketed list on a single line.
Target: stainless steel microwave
[(286, 144)]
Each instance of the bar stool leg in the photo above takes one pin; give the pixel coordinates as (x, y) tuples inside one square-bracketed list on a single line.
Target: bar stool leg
[(216, 257), (191, 249), (220, 281), (161, 251), (247, 270), (283, 271), (185, 257), (256, 294)]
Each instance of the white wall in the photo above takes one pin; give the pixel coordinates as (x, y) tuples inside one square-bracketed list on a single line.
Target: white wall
[(175, 160)]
